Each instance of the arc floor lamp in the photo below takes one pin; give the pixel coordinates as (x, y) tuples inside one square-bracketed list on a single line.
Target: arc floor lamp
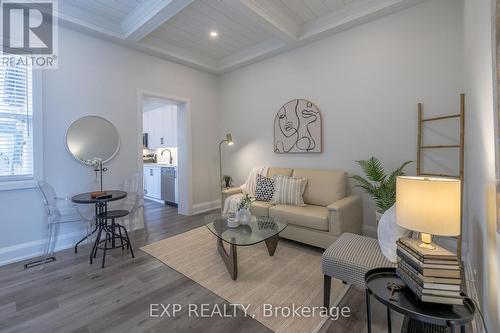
[(229, 141)]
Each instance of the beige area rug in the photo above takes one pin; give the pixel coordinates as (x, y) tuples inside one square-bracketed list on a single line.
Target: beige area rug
[(292, 276)]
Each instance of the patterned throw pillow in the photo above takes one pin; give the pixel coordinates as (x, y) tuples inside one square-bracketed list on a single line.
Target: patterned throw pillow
[(289, 190), (264, 189)]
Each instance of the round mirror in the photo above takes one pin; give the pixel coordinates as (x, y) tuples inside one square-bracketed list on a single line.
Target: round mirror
[(92, 137)]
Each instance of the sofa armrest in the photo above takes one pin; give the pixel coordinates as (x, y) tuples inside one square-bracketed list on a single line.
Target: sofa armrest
[(346, 215), (229, 192)]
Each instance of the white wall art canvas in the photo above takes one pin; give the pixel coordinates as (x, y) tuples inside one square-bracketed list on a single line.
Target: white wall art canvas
[(297, 128)]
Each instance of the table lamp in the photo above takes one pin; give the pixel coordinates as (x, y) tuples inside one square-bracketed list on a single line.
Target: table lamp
[(229, 141), (430, 206)]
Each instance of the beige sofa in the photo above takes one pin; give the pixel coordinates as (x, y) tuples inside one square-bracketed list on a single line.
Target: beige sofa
[(328, 213)]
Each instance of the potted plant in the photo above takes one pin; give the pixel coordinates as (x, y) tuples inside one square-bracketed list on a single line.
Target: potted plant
[(243, 214), (227, 181), (380, 186)]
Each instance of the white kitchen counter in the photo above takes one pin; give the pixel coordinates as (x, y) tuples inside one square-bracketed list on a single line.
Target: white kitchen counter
[(159, 165)]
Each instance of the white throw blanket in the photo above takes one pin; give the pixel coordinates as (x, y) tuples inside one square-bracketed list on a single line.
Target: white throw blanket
[(232, 202)]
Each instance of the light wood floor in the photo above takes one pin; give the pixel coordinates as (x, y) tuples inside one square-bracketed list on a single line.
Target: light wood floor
[(70, 295)]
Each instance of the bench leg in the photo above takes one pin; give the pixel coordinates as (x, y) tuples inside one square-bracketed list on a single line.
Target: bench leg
[(327, 286)]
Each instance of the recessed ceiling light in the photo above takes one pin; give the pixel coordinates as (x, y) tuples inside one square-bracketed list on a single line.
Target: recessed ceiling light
[(214, 34)]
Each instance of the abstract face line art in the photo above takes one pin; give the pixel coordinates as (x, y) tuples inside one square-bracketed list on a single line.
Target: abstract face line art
[(297, 128)]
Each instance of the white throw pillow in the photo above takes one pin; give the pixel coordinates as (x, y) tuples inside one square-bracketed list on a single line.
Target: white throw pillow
[(389, 232), (288, 190)]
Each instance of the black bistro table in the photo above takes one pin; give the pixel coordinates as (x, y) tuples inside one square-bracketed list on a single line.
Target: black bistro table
[(101, 209), (434, 317)]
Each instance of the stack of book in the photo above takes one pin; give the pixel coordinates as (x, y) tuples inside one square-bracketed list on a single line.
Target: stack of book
[(433, 275)]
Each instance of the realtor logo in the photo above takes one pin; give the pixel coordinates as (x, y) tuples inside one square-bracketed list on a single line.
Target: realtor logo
[(29, 32)]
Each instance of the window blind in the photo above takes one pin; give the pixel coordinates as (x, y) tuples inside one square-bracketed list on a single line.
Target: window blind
[(16, 123)]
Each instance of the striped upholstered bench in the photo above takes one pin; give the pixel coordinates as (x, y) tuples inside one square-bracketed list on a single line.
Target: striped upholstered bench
[(349, 258)]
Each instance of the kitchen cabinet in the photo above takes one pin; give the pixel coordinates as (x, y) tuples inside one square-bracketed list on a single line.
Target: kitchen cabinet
[(152, 182), (161, 126)]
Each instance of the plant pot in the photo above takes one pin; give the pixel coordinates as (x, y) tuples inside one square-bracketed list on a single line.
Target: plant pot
[(378, 216), (243, 216)]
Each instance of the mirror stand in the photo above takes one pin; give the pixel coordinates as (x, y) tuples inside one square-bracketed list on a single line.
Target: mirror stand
[(100, 169)]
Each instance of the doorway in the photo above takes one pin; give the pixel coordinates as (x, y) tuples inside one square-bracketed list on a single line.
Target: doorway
[(165, 149)]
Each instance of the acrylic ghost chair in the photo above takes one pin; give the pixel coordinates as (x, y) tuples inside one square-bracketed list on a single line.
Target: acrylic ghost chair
[(133, 203), (59, 211)]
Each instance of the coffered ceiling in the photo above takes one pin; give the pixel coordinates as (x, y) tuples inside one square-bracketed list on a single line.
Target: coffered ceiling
[(246, 30)]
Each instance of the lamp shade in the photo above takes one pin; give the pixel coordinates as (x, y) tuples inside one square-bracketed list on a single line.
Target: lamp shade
[(429, 205)]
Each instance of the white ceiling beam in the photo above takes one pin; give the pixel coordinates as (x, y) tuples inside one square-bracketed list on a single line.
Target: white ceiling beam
[(179, 57), (166, 50), (280, 24), (253, 54), (352, 15), (149, 15)]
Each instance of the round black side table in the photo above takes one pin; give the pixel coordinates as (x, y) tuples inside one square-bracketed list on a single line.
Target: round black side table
[(407, 304), (101, 207)]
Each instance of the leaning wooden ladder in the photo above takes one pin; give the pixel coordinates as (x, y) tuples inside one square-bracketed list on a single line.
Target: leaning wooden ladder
[(460, 146)]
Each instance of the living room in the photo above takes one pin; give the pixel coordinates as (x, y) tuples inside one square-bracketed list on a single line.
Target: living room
[(359, 70)]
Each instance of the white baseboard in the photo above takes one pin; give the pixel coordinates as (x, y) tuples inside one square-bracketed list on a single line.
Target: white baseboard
[(34, 249), (154, 199), (472, 292), (205, 206)]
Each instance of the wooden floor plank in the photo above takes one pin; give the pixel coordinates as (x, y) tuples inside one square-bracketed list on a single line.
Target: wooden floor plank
[(70, 295)]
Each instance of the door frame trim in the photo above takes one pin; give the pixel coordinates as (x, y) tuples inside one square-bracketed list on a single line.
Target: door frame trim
[(184, 144)]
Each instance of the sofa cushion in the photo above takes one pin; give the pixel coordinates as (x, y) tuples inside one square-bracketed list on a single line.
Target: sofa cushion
[(289, 190), (260, 208), (324, 187), (314, 217), (264, 190), (271, 172)]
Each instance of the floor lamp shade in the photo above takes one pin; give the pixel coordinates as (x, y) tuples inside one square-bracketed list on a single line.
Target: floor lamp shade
[(429, 205)]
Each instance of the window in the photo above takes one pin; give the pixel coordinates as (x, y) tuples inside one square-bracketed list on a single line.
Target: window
[(16, 123)]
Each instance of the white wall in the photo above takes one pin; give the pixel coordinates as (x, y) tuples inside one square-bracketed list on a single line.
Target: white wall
[(96, 77), (483, 240), (366, 81)]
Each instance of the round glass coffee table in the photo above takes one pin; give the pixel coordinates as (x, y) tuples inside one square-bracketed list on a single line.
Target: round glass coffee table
[(259, 229)]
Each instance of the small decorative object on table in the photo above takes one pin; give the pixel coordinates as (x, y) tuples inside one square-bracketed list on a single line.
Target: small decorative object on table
[(232, 221), (227, 181), (243, 214), (97, 194), (96, 163)]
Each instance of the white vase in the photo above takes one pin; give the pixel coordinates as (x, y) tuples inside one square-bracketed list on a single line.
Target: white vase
[(243, 216)]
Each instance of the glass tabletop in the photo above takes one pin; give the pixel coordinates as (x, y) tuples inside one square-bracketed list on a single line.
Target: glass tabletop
[(259, 229)]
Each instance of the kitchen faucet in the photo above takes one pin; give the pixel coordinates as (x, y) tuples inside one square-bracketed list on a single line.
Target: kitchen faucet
[(170, 152)]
